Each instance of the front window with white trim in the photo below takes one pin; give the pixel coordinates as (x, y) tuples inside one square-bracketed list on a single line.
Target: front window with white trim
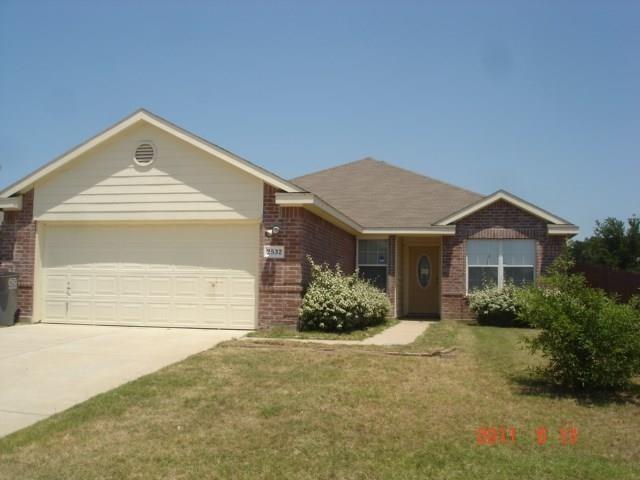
[(372, 261), (496, 262)]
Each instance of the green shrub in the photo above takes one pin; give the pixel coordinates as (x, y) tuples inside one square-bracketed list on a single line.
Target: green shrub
[(589, 340), (497, 306), (335, 302), (634, 301)]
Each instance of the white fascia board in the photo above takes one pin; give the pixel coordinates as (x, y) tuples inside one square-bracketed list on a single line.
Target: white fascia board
[(319, 207), (11, 203), (553, 229), (436, 230), (294, 199), (146, 116), (508, 197)]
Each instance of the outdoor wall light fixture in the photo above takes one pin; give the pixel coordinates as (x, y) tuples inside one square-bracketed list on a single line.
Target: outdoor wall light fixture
[(270, 232)]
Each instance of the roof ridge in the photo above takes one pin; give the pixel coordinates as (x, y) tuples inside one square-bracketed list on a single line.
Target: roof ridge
[(373, 159)]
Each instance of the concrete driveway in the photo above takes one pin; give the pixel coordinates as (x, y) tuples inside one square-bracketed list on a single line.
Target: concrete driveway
[(45, 369)]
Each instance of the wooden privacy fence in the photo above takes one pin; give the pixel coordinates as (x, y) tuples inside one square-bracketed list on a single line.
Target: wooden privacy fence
[(612, 281)]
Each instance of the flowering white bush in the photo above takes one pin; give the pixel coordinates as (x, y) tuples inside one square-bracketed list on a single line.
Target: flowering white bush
[(497, 306), (337, 302)]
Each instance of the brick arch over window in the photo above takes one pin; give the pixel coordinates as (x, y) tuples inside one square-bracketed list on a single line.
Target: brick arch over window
[(500, 220)]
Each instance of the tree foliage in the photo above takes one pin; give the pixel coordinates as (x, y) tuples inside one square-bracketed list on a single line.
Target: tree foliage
[(614, 244)]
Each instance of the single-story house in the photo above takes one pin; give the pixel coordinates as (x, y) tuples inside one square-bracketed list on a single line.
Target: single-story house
[(148, 224)]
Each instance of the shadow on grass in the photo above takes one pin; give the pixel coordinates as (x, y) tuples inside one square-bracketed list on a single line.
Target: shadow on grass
[(533, 384)]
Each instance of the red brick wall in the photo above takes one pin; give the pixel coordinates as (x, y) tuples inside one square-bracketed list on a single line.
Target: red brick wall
[(500, 220), (392, 275), (17, 251), (302, 233)]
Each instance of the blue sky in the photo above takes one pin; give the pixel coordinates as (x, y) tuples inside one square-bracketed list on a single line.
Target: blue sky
[(539, 98)]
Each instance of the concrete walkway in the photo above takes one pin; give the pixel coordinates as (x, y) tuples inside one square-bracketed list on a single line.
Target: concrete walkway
[(45, 369), (403, 333)]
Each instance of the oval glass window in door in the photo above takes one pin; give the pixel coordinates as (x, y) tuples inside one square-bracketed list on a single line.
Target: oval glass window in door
[(424, 271)]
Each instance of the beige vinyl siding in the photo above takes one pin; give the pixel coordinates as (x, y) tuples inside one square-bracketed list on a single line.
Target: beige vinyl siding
[(183, 183)]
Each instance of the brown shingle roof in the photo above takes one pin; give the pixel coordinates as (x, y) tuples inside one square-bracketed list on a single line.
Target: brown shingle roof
[(377, 194)]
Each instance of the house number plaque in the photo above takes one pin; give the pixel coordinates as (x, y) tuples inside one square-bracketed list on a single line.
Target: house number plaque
[(273, 251)]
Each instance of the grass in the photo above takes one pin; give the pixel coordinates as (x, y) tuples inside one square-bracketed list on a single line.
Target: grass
[(283, 332), (292, 411)]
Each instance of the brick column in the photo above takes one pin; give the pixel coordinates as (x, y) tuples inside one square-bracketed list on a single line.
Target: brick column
[(391, 275), (17, 251), (280, 279)]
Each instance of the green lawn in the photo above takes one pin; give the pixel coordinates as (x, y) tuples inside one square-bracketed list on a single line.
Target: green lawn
[(283, 332), (295, 411)]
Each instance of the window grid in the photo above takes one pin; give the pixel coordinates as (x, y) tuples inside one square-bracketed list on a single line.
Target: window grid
[(375, 247), (381, 246)]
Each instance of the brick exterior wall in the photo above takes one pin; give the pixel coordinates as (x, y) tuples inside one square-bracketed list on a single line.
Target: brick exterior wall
[(500, 220), (302, 233), (17, 251), (392, 275)]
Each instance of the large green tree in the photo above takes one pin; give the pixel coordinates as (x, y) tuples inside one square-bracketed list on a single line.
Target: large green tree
[(614, 244)]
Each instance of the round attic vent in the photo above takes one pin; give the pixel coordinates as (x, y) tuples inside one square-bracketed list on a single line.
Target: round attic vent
[(145, 154)]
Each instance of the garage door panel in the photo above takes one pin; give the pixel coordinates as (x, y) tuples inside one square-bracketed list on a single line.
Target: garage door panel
[(240, 314), (187, 275), (106, 286), (187, 313), (56, 309), (80, 285), (159, 312), (105, 312), (187, 287), (216, 314), (132, 286), (159, 286), (79, 310), (131, 313), (215, 287)]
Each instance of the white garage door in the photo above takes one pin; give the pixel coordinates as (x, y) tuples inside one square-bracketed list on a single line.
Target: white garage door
[(178, 275)]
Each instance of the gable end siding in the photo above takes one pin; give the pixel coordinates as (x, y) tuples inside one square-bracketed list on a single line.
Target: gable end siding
[(183, 183)]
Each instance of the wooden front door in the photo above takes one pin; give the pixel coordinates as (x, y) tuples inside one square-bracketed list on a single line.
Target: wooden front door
[(424, 280)]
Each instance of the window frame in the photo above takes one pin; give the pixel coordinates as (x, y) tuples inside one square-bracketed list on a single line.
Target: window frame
[(385, 265), (501, 265)]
